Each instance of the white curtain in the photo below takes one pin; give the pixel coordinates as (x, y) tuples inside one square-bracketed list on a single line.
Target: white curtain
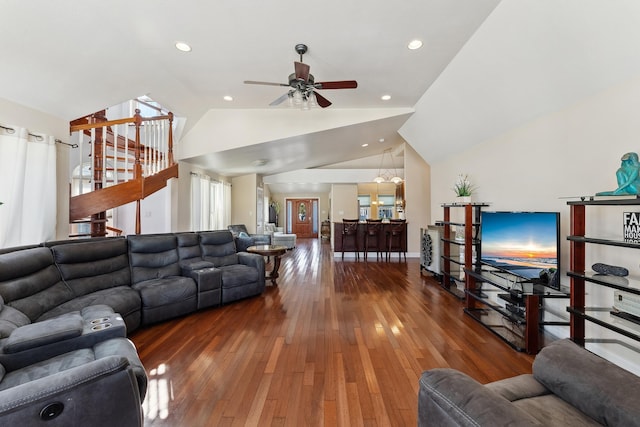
[(200, 202), (210, 203), (220, 205), (27, 187)]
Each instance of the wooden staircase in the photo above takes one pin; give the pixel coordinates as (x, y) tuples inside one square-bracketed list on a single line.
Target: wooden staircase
[(131, 158)]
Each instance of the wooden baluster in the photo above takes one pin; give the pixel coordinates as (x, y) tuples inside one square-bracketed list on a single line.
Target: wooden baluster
[(137, 167), (170, 148)]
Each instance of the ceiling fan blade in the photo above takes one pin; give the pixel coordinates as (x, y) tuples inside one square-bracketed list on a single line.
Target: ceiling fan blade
[(280, 100), (253, 82), (343, 84), (321, 100), (302, 70)]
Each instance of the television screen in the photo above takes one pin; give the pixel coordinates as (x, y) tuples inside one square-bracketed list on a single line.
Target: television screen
[(522, 243)]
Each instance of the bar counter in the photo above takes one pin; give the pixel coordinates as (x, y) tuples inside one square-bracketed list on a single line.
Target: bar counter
[(362, 227)]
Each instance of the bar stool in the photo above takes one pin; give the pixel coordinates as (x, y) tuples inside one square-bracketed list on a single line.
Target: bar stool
[(372, 234), (350, 230), (395, 237)]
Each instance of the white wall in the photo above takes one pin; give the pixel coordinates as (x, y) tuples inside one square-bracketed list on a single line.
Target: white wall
[(244, 201), (417, 191), (571, 152), (155, 213)]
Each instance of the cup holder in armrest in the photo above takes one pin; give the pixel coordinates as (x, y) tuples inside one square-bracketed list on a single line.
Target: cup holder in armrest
[(100, 320), (100, 326)]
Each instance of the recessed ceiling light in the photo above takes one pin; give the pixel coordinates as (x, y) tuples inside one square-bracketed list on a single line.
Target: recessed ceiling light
[(385, 97), (228, 98), (415, 44), (365, 145), (183, 47), (381, 140)]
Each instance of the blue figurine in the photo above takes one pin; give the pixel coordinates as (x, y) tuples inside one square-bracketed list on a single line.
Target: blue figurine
[(628, 177)]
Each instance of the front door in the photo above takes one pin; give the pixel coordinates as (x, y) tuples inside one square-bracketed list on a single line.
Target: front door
[(302, 218)]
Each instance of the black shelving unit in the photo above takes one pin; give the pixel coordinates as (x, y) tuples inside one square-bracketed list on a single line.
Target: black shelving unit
[(451, 281), (582, 280)]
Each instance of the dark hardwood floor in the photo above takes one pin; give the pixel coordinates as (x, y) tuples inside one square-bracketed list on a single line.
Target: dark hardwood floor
[(336, 343)]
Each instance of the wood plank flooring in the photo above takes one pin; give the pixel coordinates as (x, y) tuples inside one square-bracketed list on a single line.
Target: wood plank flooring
[(335, 343)]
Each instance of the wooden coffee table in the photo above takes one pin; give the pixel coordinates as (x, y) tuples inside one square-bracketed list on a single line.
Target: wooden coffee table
[(275, 251)]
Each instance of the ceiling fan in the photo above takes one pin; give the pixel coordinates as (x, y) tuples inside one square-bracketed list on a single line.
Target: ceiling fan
[(304, 86)]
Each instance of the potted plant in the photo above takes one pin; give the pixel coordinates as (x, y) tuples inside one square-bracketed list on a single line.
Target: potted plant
[(463, 189)]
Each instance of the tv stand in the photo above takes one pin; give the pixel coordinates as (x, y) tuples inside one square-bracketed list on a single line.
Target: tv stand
[(511, 307)]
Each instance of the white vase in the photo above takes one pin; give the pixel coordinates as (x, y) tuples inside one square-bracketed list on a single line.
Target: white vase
[(463, 200)]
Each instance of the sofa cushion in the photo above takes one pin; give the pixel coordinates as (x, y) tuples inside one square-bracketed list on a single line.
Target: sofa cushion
[(218, 247), (159, 292), (550, 410), (529, 395), (123, 300), (238, 275), (47, 367), (450, 398), (90, 266), (153, 256), (588, 382), (120, 347), (10, 319), (31, 283)]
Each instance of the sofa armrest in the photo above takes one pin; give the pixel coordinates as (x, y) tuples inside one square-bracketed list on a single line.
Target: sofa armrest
[(100, 393), (450, 398), (68, 332), (42, 333), (261, 239), (209, 282), (242, 243), (252, 260)]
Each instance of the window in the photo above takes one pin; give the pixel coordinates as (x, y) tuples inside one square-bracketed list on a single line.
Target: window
[(210, 203)]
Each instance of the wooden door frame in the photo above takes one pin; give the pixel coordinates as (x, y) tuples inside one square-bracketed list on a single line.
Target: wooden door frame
[(315, 220)]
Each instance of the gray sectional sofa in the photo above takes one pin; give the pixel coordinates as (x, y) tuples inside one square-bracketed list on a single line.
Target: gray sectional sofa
[(569, 386), (66, 308)]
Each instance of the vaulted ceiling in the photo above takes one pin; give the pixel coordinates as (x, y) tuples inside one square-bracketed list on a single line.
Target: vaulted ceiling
[(486, 66)]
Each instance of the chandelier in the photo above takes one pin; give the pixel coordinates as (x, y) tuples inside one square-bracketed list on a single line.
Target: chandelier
[(384, 173)]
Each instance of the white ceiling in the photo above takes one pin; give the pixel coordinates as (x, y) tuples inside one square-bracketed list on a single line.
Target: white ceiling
[(486, 67)]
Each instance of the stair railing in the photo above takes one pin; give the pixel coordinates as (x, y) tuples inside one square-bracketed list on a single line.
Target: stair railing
[(123, 149)]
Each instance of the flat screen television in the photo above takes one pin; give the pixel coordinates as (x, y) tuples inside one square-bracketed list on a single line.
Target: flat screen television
[(522, 243)]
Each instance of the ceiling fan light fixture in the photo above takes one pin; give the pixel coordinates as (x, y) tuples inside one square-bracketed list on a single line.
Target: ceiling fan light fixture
[(303, 85), (313, 102), (297, 98)]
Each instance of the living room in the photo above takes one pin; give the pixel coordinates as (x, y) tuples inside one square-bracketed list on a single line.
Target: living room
[(533, 117)]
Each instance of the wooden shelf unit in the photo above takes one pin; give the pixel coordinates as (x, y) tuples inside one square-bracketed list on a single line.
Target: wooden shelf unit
[(466, 247), (582, 279)]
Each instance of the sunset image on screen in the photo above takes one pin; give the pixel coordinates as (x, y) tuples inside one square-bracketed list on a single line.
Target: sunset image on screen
[(522, 242)]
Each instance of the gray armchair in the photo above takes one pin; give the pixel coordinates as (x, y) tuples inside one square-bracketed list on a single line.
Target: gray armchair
[(74, 389), (244, 239)]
